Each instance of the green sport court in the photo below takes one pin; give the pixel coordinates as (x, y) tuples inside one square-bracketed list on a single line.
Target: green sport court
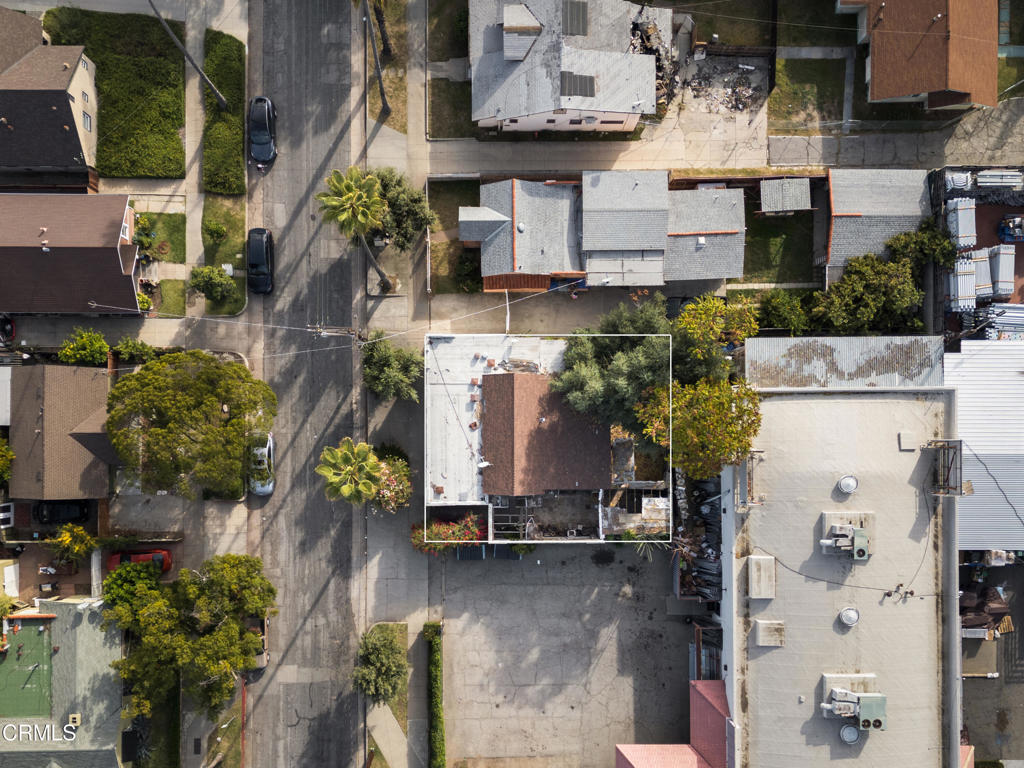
[(25, 679)]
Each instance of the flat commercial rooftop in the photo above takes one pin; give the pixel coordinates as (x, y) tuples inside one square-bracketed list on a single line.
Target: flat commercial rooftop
[(25, 669), (789, 639)]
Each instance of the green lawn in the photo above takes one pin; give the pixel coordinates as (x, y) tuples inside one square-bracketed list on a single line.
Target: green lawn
[(172, 298), (229, 731), (737, 22), (447, 196), (451, 107), (1010, 72), (224, 132), (170, 229), (447, 29), (231, 306), (395, 84), (778, 248), (164, 734), (807, 90), (25, 672), (813, 22), (444, 257), (228, 211), (140, 79)]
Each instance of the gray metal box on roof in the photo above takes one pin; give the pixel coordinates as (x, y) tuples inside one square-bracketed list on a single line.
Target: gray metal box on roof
[(778, 195)]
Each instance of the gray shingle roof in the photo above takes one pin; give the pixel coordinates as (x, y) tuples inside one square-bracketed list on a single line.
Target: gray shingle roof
[(695, 211), (785, 195), (505, 88), (478, 223), (625, 210), (854, 236)]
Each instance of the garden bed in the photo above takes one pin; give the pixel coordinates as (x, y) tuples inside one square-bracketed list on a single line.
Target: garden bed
[(167, 228), (224, 131), (399, 703), (140, 82), (435, 694), (394, 70)]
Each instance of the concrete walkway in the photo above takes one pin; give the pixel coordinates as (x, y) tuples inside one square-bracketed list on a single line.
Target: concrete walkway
[(829, 52)]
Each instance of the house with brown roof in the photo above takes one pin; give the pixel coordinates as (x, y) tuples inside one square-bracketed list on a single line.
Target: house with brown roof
[(48, 107), (502, 446), (68, 255), (942, 53), (58, 433)]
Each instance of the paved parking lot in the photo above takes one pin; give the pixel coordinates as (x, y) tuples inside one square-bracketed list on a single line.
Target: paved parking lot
[(561, 660)]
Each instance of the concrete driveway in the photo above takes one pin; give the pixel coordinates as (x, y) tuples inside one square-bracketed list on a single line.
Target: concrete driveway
[(561, 659)]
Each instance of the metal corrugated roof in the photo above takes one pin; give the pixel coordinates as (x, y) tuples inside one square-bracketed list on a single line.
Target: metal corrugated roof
[(785, 195), (843, 362), (990, 421), (961, 222), (961, 286), (982, 273), (1001, 260)]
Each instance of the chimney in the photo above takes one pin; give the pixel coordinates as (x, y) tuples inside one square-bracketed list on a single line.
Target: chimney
[(67, 66), (42, 230)]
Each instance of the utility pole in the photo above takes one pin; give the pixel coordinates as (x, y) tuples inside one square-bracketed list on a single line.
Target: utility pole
[(216, 94), (368, 24)]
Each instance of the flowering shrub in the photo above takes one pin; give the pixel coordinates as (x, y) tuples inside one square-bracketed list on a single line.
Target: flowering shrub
[(441, 536), (395, 487)]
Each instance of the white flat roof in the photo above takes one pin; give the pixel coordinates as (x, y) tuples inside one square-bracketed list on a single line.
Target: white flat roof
[(809, 441)]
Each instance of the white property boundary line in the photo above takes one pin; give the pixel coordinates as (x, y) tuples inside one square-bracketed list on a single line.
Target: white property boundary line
[(481, 502)]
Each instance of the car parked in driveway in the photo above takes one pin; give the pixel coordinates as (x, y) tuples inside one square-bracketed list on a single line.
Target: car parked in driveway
[(60, 512), (262, 628), (161, 557), (259, 259), (261, 470), (262, 132)]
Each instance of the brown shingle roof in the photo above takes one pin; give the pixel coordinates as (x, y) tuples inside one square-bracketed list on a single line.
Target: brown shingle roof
[(537, 443), (913, 51), (44, 68), (80, 221), (47, 406), (19, 34)]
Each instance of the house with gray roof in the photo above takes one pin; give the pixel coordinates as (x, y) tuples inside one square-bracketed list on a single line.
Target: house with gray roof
[(868, 207), (616, 228), (562, 65)]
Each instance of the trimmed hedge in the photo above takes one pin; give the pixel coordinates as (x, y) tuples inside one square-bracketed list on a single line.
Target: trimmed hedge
[(435, 693), (140, 80), (224, 133)]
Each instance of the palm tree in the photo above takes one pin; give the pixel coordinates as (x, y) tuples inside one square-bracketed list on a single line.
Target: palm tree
[(384, 106), (353, 201), (352, 471)]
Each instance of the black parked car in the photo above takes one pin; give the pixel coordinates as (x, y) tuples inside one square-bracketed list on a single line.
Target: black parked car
[(259, 257), (59, 512), (262, 132)]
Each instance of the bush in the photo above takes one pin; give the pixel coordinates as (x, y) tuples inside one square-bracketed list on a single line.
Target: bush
[(390, 371), (6, 457), (214, 230), (382, 669), (131, 350), (72, 544), (224, 133), (782, 309), (395, 488), (925, 245), (213, 282), (84, 347), (407, 215), (435, 693), (443, 535), (387, 451), (143, 223), (467, 272), (872, 296), (145, 303)]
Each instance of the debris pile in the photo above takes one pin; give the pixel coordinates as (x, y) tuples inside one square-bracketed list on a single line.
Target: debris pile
[(646, 39), (730, 87)]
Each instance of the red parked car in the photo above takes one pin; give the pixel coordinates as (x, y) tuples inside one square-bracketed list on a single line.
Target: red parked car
[(161, 557)]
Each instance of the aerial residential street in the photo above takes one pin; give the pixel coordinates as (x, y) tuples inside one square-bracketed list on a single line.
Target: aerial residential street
[(303, 711)]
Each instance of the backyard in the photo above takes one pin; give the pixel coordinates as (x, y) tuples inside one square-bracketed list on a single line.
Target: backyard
[(446, 250), (140, 80), (736, 22), (807, 92), (394, 69), (778, 248), (447, 29), (450, 106)]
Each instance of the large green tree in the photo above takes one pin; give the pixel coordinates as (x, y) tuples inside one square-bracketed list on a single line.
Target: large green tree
[(353, 201), (713, 424), (782, 309), (390, 371), (925, 245), (873, 296), (381, 669), (352, 471), (182, 422), (407, 215)]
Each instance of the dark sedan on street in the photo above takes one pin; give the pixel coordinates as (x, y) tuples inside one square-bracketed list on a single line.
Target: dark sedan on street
[(259, 259), (262, 132)]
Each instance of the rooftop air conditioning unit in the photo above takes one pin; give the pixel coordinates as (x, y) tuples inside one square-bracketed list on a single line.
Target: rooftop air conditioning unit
[(846, 538), (75, 719), (867, 709)]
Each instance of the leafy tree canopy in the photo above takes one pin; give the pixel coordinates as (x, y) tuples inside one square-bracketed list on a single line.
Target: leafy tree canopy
[(352, 471), (72, 543), (213, 282), (381, 670), (132, 350), (182, 421), (127, 590), (710, 323), (873, 296), (407, 214), (353, 201), (782, 309), (84, 347), (925, 245), (390, 371)]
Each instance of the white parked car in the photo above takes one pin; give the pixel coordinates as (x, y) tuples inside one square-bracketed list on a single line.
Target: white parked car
[(261, 471)]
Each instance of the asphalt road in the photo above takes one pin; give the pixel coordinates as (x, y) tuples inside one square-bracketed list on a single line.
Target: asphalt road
[(303, 711)]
